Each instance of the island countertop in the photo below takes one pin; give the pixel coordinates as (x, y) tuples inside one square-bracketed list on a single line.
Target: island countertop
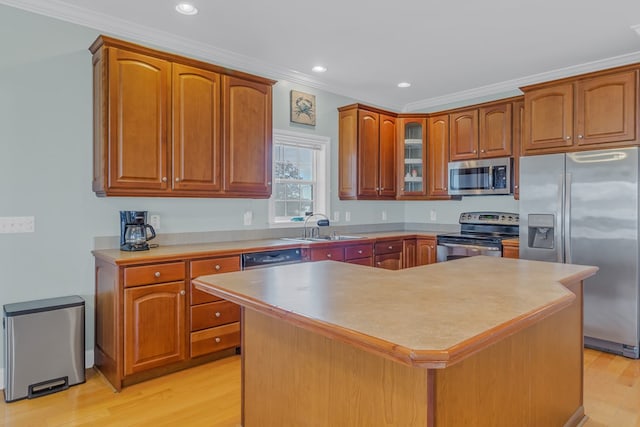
[(431, 316)]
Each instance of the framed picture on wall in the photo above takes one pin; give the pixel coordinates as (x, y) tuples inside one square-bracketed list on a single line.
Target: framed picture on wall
[(303, 108)]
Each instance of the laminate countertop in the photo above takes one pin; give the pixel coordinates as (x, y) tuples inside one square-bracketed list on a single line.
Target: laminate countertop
[(430, 316), (171, 252)]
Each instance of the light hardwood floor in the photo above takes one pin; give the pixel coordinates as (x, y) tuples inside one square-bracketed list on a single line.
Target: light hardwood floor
[(209, 395)]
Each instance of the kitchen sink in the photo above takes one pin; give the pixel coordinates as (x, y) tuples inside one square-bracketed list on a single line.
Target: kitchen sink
[(337, 238)]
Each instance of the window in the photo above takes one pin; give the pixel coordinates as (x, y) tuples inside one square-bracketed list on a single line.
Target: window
[(300, 177)]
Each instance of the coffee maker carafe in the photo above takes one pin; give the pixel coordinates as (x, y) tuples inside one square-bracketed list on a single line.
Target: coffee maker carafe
[(134, 231)]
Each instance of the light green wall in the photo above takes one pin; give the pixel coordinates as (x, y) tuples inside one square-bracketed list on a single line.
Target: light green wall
[(46, 160)]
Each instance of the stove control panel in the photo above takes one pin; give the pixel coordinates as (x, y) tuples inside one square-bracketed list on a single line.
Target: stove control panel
[(494, 218)]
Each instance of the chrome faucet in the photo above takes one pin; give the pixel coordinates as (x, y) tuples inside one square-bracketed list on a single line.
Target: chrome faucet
[(315, 230)]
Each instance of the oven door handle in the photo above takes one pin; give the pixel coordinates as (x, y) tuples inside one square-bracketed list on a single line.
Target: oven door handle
[(480, 248)]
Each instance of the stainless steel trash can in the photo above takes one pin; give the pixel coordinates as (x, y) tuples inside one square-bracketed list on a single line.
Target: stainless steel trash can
[(43, 346)]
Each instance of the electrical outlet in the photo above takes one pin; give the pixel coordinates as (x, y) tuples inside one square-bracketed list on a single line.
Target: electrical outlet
[(432, 215), (347, 216), (154, 221), (336, 216), (248, 217), (384, 215), (17, 224)]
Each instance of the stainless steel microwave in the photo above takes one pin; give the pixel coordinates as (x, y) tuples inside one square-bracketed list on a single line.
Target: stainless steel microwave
[(477, 177)]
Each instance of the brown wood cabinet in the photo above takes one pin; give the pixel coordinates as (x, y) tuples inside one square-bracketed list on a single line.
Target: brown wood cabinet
[(359, 254), (408, 253), (511, 248), (438, 156), (589, 112), (482, 132), (426, 251), (388, 254), (518, 123), (412, 157), (367, 153), (146, 313), (160, 120)]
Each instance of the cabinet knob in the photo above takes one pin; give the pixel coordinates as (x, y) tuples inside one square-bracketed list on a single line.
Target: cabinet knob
[(360, 251), (474, 151), (157, 274), (218, 339), (218, 314), (328, 255), (378, 263), (182, 292), (482, 151), (217, 267), (567, 137), (177, 179), (401, 188), (580, 136), (164, 179), (516, 187), (269, 183), (390, 247)]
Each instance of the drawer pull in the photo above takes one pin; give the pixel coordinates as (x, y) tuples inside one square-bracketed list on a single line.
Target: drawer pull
[(182, 292), (328, 255), (217, 267), (360, 251), (218, 314), (157, 274), (390, 247), (218, 339)]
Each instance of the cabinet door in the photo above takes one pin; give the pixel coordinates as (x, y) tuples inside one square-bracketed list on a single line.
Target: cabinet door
[(387, 162), (438, 158), (463, 135), (392, 261), (412, 157), (196, 129), (518, 122), (606, 109), (548, 122), (247, 137), (154, 326), (139, 112), (348, 154), (368, 155), (408, 253), (426, 251), (495, 131)]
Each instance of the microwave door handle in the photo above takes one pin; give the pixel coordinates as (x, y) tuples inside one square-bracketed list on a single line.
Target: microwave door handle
[(491, 177)]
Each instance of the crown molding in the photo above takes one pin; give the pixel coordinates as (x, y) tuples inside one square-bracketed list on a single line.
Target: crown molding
[(512, 87), (187, 47)]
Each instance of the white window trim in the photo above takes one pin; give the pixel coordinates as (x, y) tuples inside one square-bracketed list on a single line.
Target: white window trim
[(320, 143)]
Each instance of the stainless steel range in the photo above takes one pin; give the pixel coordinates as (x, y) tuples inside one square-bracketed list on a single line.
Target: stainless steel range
[(481, 233)]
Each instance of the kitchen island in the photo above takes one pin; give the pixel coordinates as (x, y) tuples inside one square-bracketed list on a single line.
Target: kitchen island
[(477, 341)]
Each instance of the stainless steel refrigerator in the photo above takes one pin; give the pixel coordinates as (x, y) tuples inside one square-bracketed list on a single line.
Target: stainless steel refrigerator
[(582, 208)]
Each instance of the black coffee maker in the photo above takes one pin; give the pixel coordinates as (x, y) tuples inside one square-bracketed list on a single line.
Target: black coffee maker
[(134, 231)]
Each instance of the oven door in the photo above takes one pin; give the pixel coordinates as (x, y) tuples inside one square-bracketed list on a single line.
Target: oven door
[(450, 251)]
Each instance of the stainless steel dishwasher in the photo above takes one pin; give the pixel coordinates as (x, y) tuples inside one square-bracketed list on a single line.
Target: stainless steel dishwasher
[(264, 259)]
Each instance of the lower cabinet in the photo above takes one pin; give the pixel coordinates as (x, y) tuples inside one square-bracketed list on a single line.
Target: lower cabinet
[(426, 251), (150, 320), (511, 248), (408, 253), (388, 254), (359, 254)]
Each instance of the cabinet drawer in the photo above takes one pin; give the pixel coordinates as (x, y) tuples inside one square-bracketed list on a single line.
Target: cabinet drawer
[(368, 261), (321, 254), (215, 339), (214, 314), (358, 251), (155, 273), (203, 267), (388, 247)]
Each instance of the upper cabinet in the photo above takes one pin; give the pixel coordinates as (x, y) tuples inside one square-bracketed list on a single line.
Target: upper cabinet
[(412, 156), (367, 153), (585, 113), (481, 132), (165, 125), (438, 156)]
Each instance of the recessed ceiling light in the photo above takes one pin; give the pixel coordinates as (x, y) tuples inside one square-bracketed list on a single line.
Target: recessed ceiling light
[(319, 69), (404, 84), (186, 9)]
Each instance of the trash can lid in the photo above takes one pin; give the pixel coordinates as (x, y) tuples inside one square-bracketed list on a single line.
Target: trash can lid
[(27, 307)]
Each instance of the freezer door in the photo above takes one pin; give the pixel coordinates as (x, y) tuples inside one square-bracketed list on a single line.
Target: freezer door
[(602, 204), (541, 207)]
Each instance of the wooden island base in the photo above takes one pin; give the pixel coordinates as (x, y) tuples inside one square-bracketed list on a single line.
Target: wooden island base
[(473, 342), (295, 377)]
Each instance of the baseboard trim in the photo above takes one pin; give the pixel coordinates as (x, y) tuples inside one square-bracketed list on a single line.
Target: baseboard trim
[(88, 363)]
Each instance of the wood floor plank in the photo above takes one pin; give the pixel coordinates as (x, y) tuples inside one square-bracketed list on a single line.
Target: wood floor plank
[(209, 396)]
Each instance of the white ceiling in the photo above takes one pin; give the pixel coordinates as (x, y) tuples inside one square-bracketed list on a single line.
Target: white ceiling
[(450, 51)]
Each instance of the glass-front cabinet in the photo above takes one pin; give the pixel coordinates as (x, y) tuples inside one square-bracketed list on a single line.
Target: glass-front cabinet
[(412, 156)]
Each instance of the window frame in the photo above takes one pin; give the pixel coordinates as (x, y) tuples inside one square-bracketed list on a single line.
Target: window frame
[(322, 145)]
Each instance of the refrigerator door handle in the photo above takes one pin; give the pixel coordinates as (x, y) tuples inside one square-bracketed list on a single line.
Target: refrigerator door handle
[(559, 235), (567, 220)]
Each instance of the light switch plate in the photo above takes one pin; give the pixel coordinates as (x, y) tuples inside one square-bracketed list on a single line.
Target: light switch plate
[(154, 221), (17, 224), (432, 215)]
